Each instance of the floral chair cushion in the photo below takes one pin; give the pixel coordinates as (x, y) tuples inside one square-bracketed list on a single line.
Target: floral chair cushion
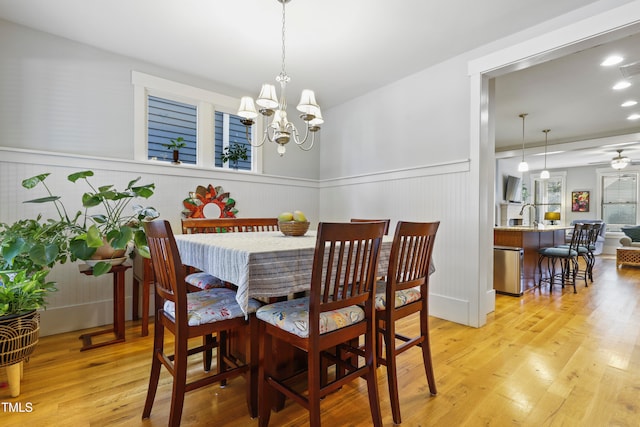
[(204, 280), (403, 297), (293, 316), (211, 305)]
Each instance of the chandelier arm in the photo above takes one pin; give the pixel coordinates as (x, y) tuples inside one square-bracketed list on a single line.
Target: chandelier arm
[(249, 139), (300, 142)]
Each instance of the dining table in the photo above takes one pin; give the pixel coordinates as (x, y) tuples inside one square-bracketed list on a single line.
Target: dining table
[(260, 264)]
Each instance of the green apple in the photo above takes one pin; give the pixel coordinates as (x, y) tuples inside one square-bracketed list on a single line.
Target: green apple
[(299, 216), (285, 216)]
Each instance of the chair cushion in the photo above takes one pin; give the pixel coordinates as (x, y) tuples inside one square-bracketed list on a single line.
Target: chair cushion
[(558, 252), (211, 305), (293, 316), (403, 297), (204, 280), (581, 249)]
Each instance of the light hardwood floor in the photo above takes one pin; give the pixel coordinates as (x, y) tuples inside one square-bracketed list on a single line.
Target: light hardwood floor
[(547, 359)]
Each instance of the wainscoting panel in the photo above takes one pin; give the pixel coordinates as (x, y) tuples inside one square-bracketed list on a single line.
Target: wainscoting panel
[(432, 193)]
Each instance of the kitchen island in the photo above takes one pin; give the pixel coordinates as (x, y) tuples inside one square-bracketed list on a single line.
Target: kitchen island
[(530, 239)]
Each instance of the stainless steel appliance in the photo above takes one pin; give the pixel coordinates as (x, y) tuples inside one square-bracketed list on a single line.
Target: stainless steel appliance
[(507, 270)]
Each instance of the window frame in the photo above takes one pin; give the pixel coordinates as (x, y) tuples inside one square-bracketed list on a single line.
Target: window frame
[(601, 174), (563, 193), (206, 102)]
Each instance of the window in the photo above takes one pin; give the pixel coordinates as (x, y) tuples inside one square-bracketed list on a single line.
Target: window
[(165, 110), (548, 196), (229, 131), (167, 120), (619, 199)]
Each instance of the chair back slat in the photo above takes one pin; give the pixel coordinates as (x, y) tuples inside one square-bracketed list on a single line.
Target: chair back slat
[(410, 256), (595, 232), (578, 238), (228, 225), (344, 266), (167, 266)]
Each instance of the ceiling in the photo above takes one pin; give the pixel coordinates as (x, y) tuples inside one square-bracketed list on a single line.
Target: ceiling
[(572, 96), (343, 49)]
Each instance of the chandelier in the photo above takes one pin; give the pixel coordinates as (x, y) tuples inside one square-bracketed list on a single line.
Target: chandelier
[(281, 130), (620, 162)]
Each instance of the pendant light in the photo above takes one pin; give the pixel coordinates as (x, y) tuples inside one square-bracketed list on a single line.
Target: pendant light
[(523, 166), (545, 173)]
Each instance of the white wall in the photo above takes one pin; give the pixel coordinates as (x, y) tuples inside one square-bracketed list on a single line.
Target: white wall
[(63, 96)]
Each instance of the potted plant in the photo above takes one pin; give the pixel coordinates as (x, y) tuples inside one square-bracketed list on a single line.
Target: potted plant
[(234, 153), (108, 234), (176, 145), (28, 249)]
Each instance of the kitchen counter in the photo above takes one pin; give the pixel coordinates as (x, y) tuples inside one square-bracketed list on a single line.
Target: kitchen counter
[(530, 239), (530, 228)]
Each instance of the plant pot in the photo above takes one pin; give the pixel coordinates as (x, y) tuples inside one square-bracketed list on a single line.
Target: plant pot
[(176, 157), (19, 335), (106, 251)]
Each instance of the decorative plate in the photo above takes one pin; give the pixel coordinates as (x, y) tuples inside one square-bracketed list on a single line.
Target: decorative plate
[(209, 202)]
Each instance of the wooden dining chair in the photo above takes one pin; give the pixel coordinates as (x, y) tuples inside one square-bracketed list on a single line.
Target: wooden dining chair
[(338, 310), (405, 292), (228, 225), (386, 222), (188, 315)]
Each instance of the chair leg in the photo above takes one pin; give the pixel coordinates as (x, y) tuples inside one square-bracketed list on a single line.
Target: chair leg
[(158, 349), (252, 376), (426, 351), (179, 383), (207, 354), (313, 384), (265, 392), (392, 374), (372, 380)]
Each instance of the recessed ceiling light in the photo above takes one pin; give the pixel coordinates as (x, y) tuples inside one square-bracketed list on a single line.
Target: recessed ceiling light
[(622, 84), (612, 60), (629, 103), (634, 117)]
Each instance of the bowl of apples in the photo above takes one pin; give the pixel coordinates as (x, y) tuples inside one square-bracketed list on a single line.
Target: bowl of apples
[(293, 223)]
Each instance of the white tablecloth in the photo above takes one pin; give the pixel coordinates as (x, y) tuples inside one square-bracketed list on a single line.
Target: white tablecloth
[(260, 264)]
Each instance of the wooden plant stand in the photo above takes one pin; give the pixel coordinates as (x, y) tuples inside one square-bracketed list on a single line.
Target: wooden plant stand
[(118, 310)]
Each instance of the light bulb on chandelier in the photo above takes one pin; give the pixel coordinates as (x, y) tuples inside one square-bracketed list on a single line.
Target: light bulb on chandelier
[(281, 130), (523, 166)]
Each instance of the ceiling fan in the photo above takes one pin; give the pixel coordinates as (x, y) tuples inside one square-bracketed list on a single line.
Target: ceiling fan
[(620, 162)]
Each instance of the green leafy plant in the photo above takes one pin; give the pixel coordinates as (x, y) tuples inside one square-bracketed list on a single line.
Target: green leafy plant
[(28, 249), (21, 293), (176, 144), (114, 225), (233, 153)]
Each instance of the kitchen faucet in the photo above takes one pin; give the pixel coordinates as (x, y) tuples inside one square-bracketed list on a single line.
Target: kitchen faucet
[(535, 213)]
